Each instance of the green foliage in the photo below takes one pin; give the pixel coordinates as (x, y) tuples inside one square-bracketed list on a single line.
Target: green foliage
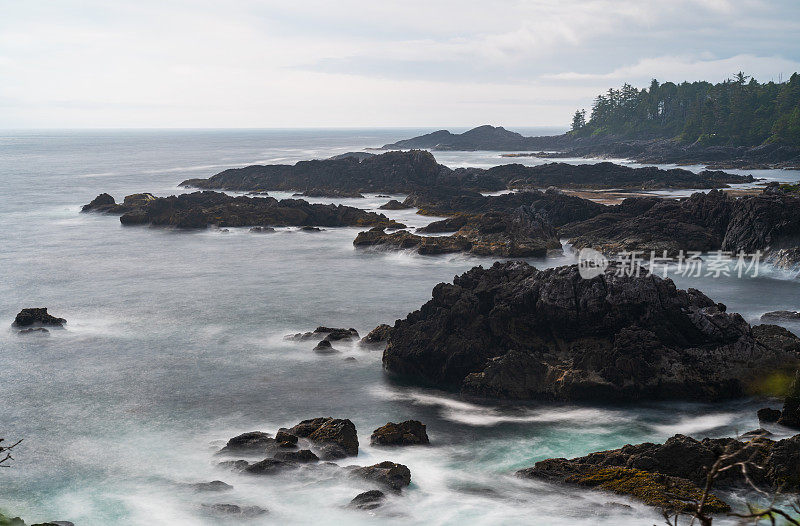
[(739, 112), (10, 521)]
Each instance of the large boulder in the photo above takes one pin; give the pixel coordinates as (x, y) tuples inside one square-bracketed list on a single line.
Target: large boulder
[(408, 433), (515, 332), (250, 442), (37, 317), (337, 437)]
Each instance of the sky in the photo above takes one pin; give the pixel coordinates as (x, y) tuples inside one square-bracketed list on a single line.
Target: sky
[(373, 63)]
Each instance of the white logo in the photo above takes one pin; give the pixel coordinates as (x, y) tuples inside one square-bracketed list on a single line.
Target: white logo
[(591, 263)]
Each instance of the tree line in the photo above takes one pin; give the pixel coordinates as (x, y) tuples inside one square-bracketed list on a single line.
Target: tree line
[(739, 111)]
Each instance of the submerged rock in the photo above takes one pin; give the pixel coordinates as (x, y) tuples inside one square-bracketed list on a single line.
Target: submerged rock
[(35, 330), (408, 433), (515, 332), (37, 317), (369, 500), (301, 456), (394, 204), (325, 347), (262, 230), (234, 510), (214, 485)]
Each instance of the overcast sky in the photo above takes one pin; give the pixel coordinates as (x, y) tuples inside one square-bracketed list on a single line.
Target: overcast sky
[(263, 63)]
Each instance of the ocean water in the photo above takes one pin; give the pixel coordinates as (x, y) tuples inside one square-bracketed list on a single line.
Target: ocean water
[(174, 344)]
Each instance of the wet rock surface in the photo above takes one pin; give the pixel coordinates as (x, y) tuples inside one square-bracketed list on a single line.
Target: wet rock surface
[(369, 500), (408, 433), (390, 475), (37, 317), (515, 332)]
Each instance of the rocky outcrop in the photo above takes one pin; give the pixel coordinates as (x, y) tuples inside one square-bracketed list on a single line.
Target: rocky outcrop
[(768, 416), (336, 437), (201, 209), (781, 315), (391, 172), (250, 442), (648, 151), (214, 485), (234, 510), (37, 317), (408, 433), (703, 222), (523, 233), (660, 473), (388, 474), (515, 332)]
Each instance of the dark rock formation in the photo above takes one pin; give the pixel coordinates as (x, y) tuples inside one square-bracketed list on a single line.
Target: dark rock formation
[(200, 209), (702, 222), (790, 416), (326, 333), (369, 500), (302, 456), (262, 229), (377, 335), (284, 437), (768, 415), (408, 433), (522, 233), (391, 172), (253, 441), (269, 466), (234, 510), (101, 201), (323, 192), (388, 474), (37, 317), (655, 472), (515, 332), (325, 347), (781, 315), (556, 207), (340, 433), (35, 330), (394, 204)]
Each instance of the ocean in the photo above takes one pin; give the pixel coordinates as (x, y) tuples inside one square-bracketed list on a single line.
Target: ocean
[(174, 343)]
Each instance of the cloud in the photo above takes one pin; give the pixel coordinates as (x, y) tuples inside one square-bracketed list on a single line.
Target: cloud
[(242, 63)]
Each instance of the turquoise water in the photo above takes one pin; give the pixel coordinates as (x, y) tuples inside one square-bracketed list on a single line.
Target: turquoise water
[(174, 343)]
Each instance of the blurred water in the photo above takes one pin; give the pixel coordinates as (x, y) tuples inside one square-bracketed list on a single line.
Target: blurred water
[(174, 342)]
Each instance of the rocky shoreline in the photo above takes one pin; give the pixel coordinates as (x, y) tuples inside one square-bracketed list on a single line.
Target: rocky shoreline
[(644, 150)]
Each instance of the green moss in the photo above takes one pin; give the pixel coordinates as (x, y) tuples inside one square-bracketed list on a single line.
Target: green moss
[(11, 521), (651, 488)]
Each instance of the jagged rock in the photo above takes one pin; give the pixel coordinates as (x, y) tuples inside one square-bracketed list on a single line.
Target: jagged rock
[(408, 433), (102, 200), (394, 204), (521, 233), (252, 441), (369, 500), (214, 485), (335, 335), (234, 510), (38, 317), (377, 335), (330, 431), (768, 415), (760, 432), (201, 209), (515, 332), (389, 474), (790, 416), (781, 315), (283, 436), (301, 456)]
